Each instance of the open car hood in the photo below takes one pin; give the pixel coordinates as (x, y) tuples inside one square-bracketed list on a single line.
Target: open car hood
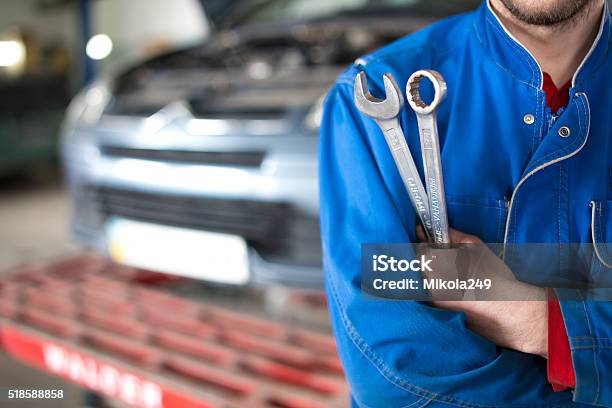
[(217, 10), (222, 13)]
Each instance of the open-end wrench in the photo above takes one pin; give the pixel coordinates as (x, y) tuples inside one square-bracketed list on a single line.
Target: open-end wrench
[(385, 113), (430, 148)]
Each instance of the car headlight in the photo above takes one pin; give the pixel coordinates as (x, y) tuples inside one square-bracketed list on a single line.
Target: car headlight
[(312, 120), (88, 105)]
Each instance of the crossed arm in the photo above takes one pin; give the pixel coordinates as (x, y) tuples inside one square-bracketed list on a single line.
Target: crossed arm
[(518, 325), (396, 352)]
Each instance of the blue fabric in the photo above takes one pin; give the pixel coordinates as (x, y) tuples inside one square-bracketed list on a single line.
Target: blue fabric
[(506, 181)]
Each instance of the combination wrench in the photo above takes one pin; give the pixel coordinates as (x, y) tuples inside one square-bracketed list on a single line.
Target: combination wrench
[(385, 113), (430, 149)]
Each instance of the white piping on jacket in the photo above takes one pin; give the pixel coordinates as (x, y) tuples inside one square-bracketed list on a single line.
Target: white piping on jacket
[(542, 166), (597, 253), (584, 60), (518, 42), (602, 23)]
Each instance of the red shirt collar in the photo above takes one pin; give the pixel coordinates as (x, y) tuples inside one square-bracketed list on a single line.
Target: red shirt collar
[(555, 97)]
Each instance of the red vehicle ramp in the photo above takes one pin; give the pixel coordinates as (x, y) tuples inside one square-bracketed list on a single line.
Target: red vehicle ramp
[(117, 331)]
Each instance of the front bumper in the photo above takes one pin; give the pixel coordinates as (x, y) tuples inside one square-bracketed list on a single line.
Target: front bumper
[(271, 203)]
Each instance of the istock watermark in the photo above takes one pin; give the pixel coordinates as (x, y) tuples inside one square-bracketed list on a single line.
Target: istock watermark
[(485, 271), (384, 263), (427, 281), (394, 271)]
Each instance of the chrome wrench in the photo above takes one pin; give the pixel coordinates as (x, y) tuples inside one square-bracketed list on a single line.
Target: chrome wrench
[(430, 149), (385, 113)]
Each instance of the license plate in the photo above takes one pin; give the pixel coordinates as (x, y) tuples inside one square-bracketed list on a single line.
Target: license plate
[(191, 253)]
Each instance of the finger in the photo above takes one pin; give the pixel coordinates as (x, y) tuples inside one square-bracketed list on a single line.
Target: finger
[(458, 237), (420, 233)]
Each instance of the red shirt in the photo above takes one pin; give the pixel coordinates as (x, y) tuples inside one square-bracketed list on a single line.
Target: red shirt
[(560, 367), (555, 97)]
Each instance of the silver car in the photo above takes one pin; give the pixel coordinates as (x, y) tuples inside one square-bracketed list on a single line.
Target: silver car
[(203, 162)]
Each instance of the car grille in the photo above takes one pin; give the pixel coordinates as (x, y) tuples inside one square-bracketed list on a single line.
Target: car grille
[(276, 230), (243, 159)]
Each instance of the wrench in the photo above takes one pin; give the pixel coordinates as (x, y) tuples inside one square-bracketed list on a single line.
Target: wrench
[(430, 149), (385, 113)]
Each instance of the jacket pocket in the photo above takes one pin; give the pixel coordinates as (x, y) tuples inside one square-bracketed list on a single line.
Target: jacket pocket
[(480, 216), (601, 233)]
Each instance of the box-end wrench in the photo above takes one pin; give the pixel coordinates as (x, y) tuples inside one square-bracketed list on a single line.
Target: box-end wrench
[(430, 149), (385, 113)]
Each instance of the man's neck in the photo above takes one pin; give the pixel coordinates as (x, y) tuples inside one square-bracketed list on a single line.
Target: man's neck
[(558, 49)]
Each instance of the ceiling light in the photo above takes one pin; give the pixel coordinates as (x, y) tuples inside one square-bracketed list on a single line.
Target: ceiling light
[(11, 53), (99, 47)]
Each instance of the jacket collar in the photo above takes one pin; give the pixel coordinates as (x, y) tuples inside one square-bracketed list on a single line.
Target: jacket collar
[(517, 60)]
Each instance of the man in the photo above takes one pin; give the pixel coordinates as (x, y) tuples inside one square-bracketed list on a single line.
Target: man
[(526, 150)]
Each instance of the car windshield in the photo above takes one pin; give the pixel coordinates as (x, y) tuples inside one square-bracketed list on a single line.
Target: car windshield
[(265, 11)]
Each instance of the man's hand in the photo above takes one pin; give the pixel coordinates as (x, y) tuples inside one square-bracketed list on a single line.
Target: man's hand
[(519, 325)]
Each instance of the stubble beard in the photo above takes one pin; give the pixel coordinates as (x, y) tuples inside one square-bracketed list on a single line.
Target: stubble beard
[(560, 14)]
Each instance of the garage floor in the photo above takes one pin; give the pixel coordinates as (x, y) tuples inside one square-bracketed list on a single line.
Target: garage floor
[(33, 227), (33, 223)]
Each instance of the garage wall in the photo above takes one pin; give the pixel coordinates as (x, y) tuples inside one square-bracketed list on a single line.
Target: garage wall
[(49, 25), (140, 28)]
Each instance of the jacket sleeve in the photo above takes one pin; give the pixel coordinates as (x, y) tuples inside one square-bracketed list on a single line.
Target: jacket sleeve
[(589, 330), (398, 353)]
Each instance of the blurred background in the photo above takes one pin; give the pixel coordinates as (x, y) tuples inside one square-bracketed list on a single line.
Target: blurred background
[(174, 142)]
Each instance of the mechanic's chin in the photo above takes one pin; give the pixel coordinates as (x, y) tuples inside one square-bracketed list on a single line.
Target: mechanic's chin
[(546, 12)]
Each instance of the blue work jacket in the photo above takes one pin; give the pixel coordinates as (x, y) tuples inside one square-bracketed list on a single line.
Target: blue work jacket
[(511, 176)]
